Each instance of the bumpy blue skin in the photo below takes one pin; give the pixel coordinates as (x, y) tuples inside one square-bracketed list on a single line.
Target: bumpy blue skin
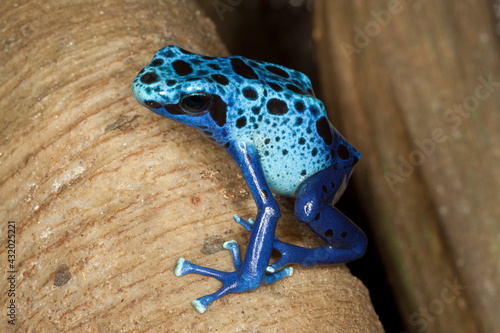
[(269, 121)]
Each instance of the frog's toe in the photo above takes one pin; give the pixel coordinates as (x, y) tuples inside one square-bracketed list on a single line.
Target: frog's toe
[(275, 267), (183, 267), (277, 275), (235, 252), (229, 245), (199, 305), (247, 225), (285, 250), (202, 303)]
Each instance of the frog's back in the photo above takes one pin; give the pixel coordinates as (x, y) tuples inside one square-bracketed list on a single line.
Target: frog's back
[(275, 109)]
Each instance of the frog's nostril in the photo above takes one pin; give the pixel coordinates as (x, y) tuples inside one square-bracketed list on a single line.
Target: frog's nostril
[(153, 104)]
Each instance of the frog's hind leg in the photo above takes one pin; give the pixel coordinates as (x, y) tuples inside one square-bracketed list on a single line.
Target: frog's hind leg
[(345, 241)]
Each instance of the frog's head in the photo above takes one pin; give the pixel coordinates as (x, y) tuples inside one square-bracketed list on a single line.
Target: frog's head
[(177, 85), (213, 94)]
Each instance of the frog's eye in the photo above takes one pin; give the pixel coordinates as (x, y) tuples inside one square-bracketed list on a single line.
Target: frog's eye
[(196, 102)]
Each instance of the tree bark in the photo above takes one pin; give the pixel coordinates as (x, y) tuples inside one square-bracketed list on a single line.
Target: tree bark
[(416, 87), (105, 196)]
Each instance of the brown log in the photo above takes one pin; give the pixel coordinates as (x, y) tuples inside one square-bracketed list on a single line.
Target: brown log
[(408, 81), (106, 196)]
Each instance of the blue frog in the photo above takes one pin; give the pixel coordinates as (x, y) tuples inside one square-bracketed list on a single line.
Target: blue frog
[(268, 120)]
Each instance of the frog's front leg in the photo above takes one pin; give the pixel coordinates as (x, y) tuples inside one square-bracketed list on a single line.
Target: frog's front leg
[(250, 273)]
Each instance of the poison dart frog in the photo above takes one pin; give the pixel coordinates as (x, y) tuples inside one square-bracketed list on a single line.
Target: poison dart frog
[(267, 118)]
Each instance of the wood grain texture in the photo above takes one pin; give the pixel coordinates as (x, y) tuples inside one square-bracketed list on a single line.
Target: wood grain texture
[(417, 88), (107, 196)]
